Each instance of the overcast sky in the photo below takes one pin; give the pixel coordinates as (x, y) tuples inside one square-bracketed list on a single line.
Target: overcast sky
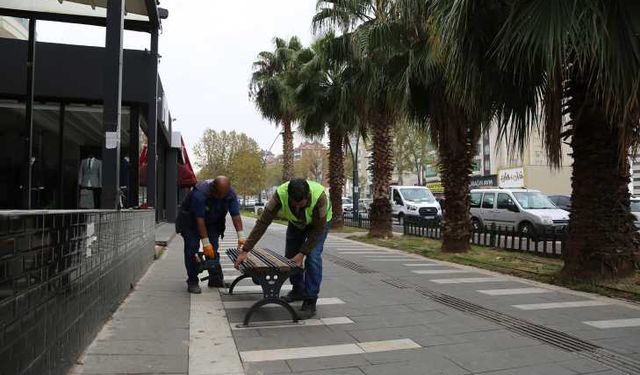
[(207, 48)]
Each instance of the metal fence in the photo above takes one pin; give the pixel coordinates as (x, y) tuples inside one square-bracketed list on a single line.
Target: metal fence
[(356, 221), (543, 242)]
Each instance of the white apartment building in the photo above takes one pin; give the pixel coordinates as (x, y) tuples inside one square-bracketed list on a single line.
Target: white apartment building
[(530, 169)]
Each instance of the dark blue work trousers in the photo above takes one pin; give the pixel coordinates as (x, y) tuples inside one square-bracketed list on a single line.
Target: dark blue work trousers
[(191, 247), (308, 282)]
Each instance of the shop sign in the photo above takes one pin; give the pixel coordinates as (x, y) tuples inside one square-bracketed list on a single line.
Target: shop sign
[(478, 182), (435, 187), (511, 178)]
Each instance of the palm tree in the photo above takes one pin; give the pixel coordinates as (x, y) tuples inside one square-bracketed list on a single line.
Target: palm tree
[(373, 87), (272, 87), (580, 60), (323, 101)]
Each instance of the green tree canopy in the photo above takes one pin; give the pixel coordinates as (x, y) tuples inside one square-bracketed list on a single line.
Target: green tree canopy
[(232, 154)]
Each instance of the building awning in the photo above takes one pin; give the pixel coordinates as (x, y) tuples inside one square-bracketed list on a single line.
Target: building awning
[(91, 12), (186, 176)]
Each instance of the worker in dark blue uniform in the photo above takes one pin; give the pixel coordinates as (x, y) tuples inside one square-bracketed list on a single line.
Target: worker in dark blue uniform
[(204, 223)]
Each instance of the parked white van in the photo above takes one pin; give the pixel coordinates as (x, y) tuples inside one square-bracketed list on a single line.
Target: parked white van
[(414, 201), (529, 211)]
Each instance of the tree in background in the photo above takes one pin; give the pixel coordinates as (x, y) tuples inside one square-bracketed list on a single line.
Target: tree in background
[(582, 60), (312, 165), (231, 154), (273, 89), (324, 98), (420, 151), (376, 90), (273, 173), (247, 173), (401, 142)]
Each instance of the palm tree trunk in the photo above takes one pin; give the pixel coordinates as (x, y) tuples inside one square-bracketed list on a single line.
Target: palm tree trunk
[(601, 237), (287, 151), (336, 174), (456, 161), (382, 169)]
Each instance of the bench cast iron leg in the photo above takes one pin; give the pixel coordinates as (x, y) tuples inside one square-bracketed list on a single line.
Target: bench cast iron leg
[(266, 301), (236, 281)]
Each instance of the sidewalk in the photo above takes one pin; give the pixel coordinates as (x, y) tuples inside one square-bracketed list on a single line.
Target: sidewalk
[(149, 333), (380, 312)]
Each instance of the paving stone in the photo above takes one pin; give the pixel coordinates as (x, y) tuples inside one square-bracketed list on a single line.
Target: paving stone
[(292, 338), (148, 347), (264, 368), (475, 359), (412, 332), (534, 370), (309, 364), (337, 371), (419, 361), (583, 366), (412, 368), (116, 364)]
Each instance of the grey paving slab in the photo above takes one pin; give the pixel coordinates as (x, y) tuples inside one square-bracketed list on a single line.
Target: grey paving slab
[(453, 342), (474, 358), (424, 359), (583, 366), (534, 370), (132, 364), (149, 333), (264, 368), (140, 347), (336, 371), (346, 361), (164, 233), (293, 337), (415, 368)]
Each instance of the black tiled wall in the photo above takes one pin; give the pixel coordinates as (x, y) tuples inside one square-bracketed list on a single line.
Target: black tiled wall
[(62, 275)]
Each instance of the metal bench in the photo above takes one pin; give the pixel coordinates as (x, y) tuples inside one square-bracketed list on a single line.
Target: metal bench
[(269, 270)]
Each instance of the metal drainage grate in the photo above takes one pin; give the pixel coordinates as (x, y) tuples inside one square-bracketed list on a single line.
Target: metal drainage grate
[(547, 335), (397, 283), (349, 264)]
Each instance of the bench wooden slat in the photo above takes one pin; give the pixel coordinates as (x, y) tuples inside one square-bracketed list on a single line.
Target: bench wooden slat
[(263, 260)]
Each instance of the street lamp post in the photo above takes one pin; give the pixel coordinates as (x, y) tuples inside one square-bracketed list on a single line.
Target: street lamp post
[(264, 163), (356, 180)]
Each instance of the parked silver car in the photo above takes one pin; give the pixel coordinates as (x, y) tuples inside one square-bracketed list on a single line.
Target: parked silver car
[(529, 211)]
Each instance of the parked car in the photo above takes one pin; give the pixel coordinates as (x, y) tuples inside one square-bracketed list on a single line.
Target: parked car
[(561, 201), (347, 205), (635, 210), (529, 211), (415, 201), (364, 205)]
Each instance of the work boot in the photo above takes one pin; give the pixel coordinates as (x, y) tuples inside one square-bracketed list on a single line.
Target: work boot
[(308, 309), (216, 278), (194, 289), (293, 296)]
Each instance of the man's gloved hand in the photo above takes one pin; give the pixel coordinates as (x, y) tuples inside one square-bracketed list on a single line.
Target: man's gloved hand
[(207, 249), (240, 239)]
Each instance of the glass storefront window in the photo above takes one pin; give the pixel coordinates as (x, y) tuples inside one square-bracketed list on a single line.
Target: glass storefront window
[(66, 158)]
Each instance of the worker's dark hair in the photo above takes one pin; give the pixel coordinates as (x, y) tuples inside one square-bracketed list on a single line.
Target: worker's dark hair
[(298, 189)]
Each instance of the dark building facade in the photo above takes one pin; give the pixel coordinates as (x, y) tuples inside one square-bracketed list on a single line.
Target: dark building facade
[(88, 166), (67, 126)]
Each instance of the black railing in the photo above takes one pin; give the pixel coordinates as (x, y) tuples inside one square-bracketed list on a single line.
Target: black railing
[(544, 242), (356, 221)]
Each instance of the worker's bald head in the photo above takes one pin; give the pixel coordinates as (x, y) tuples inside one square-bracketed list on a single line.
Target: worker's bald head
[(221, 186)]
